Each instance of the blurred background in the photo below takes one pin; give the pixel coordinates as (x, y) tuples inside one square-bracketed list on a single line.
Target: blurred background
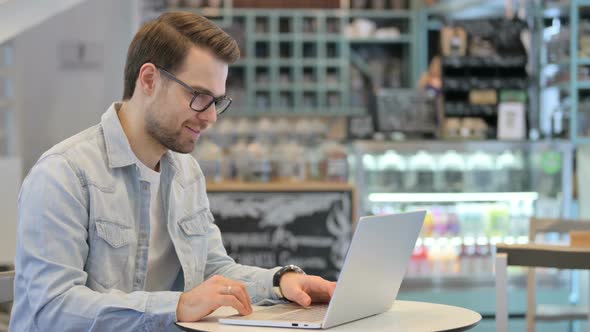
[(478, 111)]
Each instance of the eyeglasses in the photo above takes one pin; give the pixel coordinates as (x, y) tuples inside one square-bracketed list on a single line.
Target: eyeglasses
[(200, 101)]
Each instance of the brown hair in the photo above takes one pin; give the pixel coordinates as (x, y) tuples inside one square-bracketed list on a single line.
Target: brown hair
[(166, 41)]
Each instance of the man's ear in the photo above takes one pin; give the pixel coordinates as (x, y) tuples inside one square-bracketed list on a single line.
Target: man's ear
[(147, 78)]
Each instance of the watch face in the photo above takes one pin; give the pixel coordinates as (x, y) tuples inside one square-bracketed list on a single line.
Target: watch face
[(285, 269), (295, 268), (292, 268)]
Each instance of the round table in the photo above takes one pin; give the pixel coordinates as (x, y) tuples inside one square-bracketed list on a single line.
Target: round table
[(403, 316)]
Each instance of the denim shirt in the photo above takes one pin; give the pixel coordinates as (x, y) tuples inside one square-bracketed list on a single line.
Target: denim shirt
[(83, 238)]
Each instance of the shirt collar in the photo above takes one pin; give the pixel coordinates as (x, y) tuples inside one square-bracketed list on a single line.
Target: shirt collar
[(118, 149)]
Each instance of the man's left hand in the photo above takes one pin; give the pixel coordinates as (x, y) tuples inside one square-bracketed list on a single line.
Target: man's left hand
[(305, 289)]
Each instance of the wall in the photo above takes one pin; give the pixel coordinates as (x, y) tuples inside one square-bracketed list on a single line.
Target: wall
[(17, 16), (55, 100), (10, 168)]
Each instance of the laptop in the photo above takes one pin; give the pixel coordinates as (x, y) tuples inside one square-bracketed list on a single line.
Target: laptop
[(368, 283)]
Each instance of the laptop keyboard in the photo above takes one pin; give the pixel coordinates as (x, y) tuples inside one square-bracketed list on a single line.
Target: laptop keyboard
[(290, 313)]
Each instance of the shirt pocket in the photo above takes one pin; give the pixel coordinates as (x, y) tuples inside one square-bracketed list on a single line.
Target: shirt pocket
[(108, 256), (195, 228)]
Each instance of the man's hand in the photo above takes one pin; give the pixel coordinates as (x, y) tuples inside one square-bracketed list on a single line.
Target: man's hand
[(215, 292), (305, 289)]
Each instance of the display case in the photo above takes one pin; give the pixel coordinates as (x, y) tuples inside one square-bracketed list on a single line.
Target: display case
[(477, 193)]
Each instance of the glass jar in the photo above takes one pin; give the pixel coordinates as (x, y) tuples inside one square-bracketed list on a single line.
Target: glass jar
[(334, 162), (259, 165), (288, 161), (210, 158), (265, 130), (245, 129), (303, 131), (237, 163), (225, 133)]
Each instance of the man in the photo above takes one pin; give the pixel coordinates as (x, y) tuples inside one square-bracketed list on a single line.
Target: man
[(114, 219)]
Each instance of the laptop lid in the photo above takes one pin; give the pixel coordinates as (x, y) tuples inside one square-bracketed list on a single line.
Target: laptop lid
[(375, 266), (370, 278)]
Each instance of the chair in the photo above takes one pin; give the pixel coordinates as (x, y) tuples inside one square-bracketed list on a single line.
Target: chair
[(540, 255), (6, 286), (6, 296)]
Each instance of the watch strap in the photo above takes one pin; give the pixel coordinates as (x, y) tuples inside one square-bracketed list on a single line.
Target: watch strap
[(276, 280)]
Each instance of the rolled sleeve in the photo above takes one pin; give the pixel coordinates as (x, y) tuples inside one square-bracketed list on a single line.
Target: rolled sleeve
[(257, 280), (161, 309), (50, 281)]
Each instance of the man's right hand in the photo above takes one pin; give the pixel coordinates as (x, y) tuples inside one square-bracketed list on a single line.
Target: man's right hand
[(215, 292)]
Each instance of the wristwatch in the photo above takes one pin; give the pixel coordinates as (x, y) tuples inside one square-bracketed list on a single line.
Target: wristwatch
[(276, 279)]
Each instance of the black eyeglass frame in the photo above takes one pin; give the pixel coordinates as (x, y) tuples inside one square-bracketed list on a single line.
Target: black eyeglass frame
[(196, 94)]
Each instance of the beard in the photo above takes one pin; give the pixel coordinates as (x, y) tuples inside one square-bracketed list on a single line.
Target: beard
[(170, 139)]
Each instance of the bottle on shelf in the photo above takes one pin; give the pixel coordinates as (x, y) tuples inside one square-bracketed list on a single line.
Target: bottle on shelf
[(511, 172), (421, 173), (225, 133), (498, 220), (289, 164), (373, 172), (393, 168), (428, 226), (334, 163), (468, 256), (481, 170), (245, 128), (440, 221), (419, 260), (266, 130), (283, 129), (484, 263), (259, 165), (304, 131), (237, 164), (452, 170)]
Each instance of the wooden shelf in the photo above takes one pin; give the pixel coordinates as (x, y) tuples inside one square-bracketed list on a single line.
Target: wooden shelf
[(377, 13), (374, 40), (279, 186)]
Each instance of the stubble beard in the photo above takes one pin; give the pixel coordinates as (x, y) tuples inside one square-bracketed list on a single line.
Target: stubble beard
[(171, 140)]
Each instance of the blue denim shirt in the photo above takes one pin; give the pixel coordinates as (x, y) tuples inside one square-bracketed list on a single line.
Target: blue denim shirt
[(83, 238)]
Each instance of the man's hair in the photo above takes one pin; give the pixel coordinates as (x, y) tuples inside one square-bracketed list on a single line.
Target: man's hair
[(166, 41)]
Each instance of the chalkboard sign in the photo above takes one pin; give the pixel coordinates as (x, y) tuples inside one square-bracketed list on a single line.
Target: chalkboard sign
[(267, 229)]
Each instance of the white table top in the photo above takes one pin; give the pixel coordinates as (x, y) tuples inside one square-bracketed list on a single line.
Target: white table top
[(403, 316)]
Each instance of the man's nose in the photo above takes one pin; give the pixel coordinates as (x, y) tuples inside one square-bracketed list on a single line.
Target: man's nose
[(209, 115)]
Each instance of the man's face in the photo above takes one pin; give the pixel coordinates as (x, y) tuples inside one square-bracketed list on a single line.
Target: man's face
[(169, 118)]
